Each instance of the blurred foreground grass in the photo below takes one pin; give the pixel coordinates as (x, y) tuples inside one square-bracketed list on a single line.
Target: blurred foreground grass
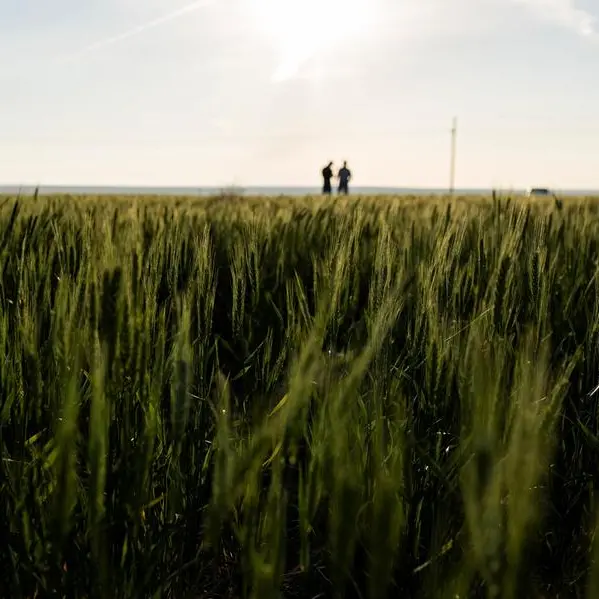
[(298, 398)]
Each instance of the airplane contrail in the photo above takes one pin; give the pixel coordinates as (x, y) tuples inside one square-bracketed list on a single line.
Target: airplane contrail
[(175, 14)]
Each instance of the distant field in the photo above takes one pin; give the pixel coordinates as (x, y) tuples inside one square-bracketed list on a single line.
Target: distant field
[(298, 397)]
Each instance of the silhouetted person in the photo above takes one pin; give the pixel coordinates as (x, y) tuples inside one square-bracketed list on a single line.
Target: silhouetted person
[(327, 175), (344, 177)]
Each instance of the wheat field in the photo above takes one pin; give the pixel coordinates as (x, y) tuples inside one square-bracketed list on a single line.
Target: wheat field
[(299, 397)]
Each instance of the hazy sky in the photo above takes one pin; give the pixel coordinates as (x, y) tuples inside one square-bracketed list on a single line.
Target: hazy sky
[(219, 92)]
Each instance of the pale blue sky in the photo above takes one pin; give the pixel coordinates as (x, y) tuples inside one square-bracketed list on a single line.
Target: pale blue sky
[(160, 92)]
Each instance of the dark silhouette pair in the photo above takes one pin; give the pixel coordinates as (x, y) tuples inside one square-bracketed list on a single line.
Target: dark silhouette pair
[(344, 176)]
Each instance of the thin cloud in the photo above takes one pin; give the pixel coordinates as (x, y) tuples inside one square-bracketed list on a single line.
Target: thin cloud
[(143, 27), (565, 13)]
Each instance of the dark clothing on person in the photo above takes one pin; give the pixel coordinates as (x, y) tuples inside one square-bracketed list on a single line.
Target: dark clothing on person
[(327, 175), (344, 177)]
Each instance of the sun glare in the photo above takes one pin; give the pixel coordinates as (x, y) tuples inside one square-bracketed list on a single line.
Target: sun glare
[(303, 30)]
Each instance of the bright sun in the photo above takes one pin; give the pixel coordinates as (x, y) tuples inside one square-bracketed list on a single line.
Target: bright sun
[(302, 29)]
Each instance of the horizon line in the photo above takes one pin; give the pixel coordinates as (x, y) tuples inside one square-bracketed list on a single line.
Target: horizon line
[(12, 188)]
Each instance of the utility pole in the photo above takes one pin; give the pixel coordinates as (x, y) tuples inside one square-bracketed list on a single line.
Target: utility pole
[(454, 133)]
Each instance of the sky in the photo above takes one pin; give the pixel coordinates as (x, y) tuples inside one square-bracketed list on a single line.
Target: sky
[(266, 92)]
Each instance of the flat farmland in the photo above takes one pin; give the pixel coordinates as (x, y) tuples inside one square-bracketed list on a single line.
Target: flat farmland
[(299, 397)]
